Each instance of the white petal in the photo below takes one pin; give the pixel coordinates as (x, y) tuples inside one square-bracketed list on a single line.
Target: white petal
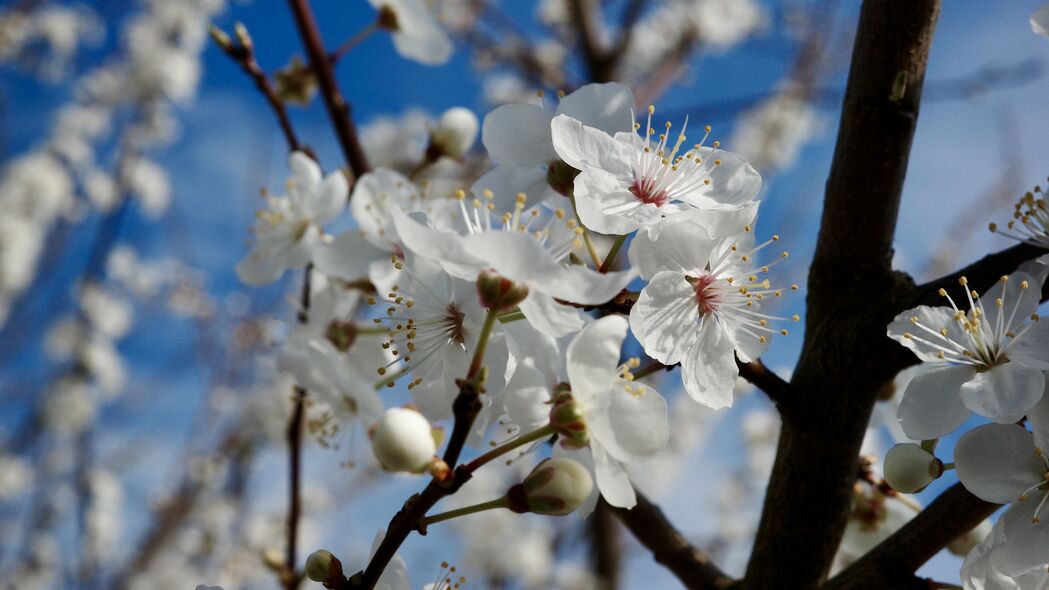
[(550, 317), (931, 405), (1039, 417), (583, 147), (507, 181), (997, 462), (520, 257), (608, 107), (682, 247), (596, 191), (1017, 302), (377, 196), (934, 318), (518, 135), (418, 36), (709, 369), (612, 479), (1039, 267), (257, 269), (664, 317), (631, 427), (527, 397), (1032, 348), (328, 199), (733, 182), (593, 356), (1004, 391), (1024, 549), (446, 248), (349, 257), (718, 223), (305, 172)]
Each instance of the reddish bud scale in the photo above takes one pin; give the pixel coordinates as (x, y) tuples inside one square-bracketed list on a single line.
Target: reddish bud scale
[(561, 177), (569, 421)]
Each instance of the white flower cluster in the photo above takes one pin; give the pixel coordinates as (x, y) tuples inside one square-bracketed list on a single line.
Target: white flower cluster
[(493, 284)]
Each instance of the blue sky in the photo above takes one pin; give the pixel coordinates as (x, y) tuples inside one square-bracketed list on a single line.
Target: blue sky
[(230, 147)]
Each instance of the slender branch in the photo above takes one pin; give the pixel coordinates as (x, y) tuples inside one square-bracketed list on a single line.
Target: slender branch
[(244, 56), (338, 108), (587, 19), (892, 563), (981, 274), (670, 548), (845, 356), (774, 386)]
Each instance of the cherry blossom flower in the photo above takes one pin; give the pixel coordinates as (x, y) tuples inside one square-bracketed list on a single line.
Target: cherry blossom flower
[(416, 34), (519, 138), (989, 360), (626, 419), (702, 306), (1005, 464), (432, 323), (630, 181), (289, 232), (522, 246), (1030, 222)]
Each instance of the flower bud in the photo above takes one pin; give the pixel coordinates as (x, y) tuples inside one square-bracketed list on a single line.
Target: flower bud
[(402, 440), (273, 558), (568, 419), (561, 177), (555, 486), (909, 468), (499, 293), (322, 566), (454, 135)]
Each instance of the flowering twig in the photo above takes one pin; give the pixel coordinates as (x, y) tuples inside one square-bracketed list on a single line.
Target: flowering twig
[(243, 53), (338, 108)]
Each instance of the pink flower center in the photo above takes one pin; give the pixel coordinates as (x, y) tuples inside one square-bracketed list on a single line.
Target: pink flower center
[(707, 298), (646, 191)]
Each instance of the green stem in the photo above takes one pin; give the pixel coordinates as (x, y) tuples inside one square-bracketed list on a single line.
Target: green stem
[(510, 445), (511, 316), (353, 41), (612, 252), (497, 503), (482, 342), (948, 466)]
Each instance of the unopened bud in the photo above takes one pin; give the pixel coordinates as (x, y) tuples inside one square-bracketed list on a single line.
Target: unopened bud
[(243, 37), (454, 135), (273, 558), (555, 486), (403, 441), (322, 566), (499, 293), (220, 37), (568, 419), (909, 468)]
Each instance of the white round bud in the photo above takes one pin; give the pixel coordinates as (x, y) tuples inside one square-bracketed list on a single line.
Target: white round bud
[(455, 133), (557, 486), (909, 468), (402, 440)]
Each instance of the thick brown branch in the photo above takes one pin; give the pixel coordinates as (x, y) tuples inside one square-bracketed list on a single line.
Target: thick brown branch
[(844, 356), (981, 274), (892, 563), (338, 108), (689, 563)]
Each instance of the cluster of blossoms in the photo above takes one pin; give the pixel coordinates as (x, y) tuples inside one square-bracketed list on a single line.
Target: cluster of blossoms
[(490, 285), (985, 354)]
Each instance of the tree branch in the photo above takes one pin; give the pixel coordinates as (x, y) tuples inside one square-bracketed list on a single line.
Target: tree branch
[(981, 274), (893, 562), (588, 22), (670, 548), (605, 551), (338, 108), (853, 294)]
